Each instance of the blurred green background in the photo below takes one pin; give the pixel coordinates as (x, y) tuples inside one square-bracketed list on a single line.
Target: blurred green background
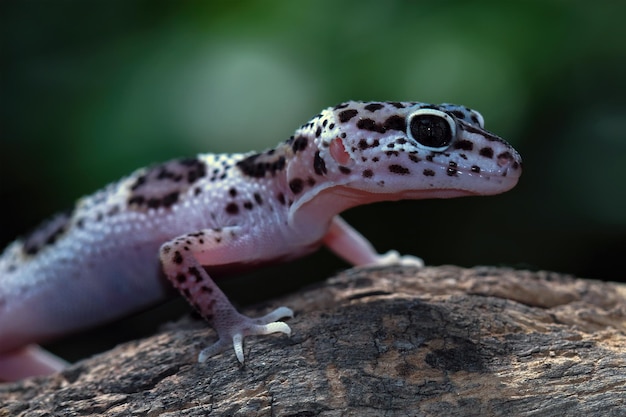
[(91, 90)]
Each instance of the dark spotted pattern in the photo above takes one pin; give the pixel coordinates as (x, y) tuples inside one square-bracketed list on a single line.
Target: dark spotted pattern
[(296, 185), (373, 107), (232, 208), (162, 185), (399, 169), (267, 163), (466, 145), (486, 152), (46, 234), (319, 166), (346, 115), (299, 144), (364, 145), (392, 123)]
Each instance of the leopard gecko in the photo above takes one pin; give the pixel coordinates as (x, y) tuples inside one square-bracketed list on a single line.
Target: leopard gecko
[(217, 213)]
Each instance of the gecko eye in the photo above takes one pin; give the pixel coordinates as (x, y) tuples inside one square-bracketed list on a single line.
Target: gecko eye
[(433, 129)]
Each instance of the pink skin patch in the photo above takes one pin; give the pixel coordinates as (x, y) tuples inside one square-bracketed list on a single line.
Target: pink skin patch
[(338, 151), (28, 361)]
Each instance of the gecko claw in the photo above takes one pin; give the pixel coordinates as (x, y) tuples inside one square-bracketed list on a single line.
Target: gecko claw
[(394, 258), (246, 326)]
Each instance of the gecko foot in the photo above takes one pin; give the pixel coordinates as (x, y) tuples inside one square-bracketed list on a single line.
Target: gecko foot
[(393, 257), (235, 327)]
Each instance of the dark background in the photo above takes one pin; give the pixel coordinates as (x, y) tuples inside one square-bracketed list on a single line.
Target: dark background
[(89, 91)]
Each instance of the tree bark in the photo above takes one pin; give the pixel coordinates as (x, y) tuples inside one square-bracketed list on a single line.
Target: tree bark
[(392, 341)]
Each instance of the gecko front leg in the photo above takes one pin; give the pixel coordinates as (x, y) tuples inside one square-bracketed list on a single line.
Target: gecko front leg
[(180, 259), (349, 244)]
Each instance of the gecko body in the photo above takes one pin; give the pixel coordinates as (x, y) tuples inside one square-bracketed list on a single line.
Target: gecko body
[(196, 217)]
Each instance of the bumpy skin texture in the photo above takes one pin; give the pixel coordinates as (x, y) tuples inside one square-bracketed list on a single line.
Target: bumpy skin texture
[(100, 260)]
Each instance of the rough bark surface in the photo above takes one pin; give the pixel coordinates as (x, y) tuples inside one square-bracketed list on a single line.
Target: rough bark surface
[(375, 342)]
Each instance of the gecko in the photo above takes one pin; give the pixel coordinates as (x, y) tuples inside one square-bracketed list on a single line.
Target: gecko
[(194, 219)]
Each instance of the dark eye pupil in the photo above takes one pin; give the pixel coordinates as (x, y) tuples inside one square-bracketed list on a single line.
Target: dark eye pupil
[(430, 130)]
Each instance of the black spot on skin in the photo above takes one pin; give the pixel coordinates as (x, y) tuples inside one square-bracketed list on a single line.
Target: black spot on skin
[(346, 115), (414, 158), (466, 145), (161, 185), (370, 125), (331, 126), (399, 169), (392, 153), (206, 289), (429, 173), (319, 166), (177, 258), (281, 198), (487, 152), (344, 170), (364, 145), (248, 205), (458, 114), (296, 185), (47, 233), (397, 105), (153, 203), (259, 165), (395, 123), (452, 172), (299, 144), (318, 132), (232, 208), (232, 192), (368, 173), (452, 164), (310, 181), (193, 271), (475, 168), (141, 180), (258, 199), (373, 107), (170, 199), (474, 119), (375, 159), (181, 278), (341, 106)]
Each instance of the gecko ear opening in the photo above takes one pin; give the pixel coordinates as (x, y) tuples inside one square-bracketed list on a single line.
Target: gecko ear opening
[(338, 152)]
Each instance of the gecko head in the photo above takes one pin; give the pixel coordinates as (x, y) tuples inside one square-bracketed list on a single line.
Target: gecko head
[(409, 150)]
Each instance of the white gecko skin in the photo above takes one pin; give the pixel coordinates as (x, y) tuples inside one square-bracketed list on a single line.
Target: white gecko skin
[(103, 259)]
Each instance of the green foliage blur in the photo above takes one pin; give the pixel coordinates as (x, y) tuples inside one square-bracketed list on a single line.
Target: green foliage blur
[(91, 90)]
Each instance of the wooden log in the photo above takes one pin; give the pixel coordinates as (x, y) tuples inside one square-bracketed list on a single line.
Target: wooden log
[(392, 341)]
